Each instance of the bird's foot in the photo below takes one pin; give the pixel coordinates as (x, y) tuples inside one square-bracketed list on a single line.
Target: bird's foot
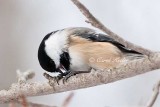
[(64, 77), (72, 73), (53, 79), (68, 76)]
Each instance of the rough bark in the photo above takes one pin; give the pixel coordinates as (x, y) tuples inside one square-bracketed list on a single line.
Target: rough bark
[(81, 80)]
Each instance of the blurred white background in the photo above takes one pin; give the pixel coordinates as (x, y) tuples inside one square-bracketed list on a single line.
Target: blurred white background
[(23, 24)]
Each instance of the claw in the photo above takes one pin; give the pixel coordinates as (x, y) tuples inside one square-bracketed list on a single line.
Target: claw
[(72, 73), (57, 78), (68, 76), (53, 79)]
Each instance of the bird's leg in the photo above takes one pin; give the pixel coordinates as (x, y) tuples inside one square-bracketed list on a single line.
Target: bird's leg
[(59, 76), (72, 73), (67, 74)]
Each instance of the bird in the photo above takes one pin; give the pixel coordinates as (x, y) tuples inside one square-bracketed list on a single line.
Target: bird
[(75, 50)]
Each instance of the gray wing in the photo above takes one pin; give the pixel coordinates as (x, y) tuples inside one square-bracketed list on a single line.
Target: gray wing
[(97, 37)]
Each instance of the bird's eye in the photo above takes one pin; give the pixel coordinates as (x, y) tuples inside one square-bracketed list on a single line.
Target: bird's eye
[(51, 62)]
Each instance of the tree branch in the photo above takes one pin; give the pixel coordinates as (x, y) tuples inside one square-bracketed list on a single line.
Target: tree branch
[(67, 100), (25, 103), (81, 80), (154, 95), (96, 23)]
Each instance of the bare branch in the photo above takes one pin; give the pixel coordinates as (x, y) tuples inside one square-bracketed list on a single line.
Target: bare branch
[(68, 100), (24, 76), (154, 95), (25, 103), (38, 105), (12, 104), (82, 80), (96, 23)]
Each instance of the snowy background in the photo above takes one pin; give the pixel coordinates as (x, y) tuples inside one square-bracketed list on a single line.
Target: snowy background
[(23, 24)]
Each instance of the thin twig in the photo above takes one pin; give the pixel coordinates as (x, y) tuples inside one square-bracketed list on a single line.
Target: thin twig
[(68, 100), (96, 23), (38, 105), (24, 76), (24, 102), (12, 104), (154, 95)]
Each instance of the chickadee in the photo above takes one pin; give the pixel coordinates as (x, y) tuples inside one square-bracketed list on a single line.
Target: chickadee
[(75, 50)]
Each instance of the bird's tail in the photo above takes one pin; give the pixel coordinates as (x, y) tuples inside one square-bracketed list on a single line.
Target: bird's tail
[(130, 54), (133, 56)]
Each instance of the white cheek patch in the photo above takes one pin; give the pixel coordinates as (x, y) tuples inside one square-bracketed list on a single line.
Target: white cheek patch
[(55, 45), (53, 55)]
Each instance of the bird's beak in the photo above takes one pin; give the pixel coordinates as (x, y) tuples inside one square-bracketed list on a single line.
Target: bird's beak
[(61, 69)]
